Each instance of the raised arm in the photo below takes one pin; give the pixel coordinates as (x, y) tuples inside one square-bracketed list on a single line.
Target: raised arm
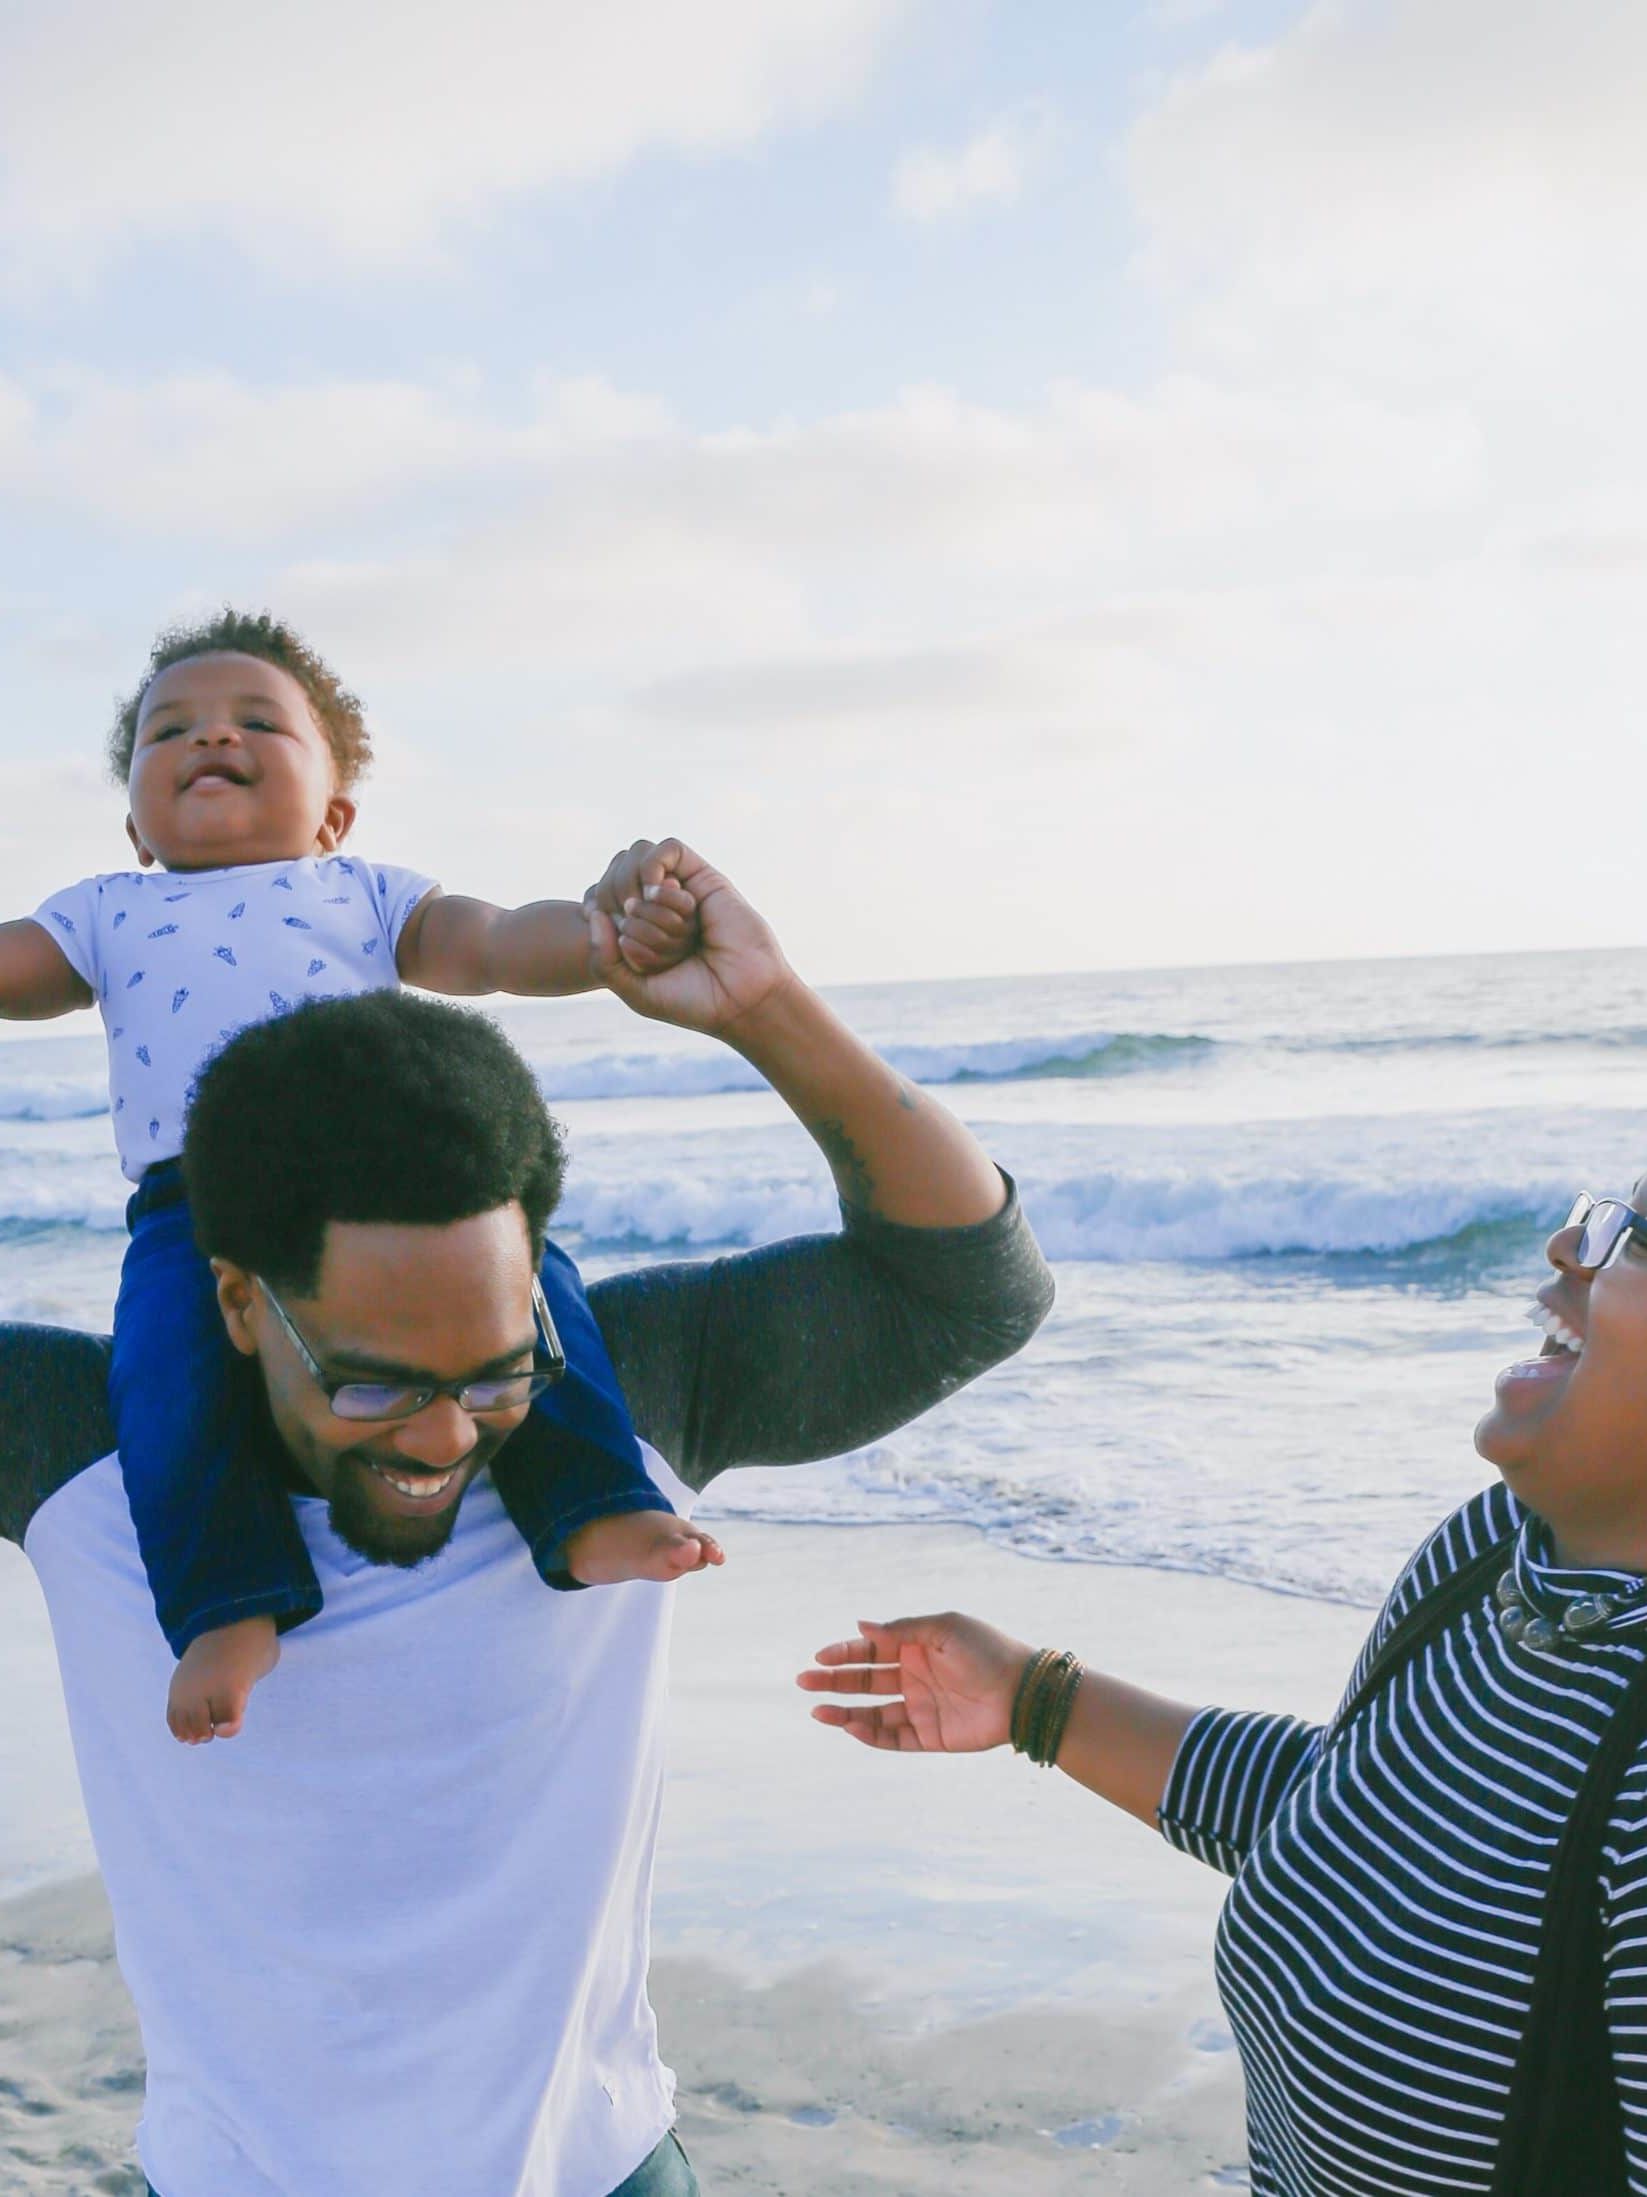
[(818, 1345), (467, 948), (36, 978), (894, 1152)]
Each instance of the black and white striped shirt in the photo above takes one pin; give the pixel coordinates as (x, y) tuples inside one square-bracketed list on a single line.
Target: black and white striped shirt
[(1376, 1951)]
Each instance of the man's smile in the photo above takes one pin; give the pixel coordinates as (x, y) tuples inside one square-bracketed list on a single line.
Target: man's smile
[(418, 1492)]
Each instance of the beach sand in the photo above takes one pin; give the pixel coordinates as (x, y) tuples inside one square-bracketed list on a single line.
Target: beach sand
[(872, 1974)]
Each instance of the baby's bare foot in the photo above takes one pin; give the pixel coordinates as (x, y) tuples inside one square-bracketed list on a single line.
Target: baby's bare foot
[(639, 1544), (214, 1678)]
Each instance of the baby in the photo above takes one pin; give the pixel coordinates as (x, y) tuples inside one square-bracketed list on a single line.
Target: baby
[(240, 753)]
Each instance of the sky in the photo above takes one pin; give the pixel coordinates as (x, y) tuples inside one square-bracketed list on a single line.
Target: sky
[(1019, 484)]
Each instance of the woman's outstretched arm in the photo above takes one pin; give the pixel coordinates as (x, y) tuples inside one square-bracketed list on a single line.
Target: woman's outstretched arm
[(1208, 1779), (946, 1685)]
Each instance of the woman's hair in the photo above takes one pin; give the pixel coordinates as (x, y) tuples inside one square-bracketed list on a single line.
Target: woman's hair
[(253, 633), (379, 1107)]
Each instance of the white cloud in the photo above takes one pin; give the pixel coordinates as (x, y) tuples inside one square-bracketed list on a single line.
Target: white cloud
[(1420, 194), (208, 456), (1209, 633), (82, 810), (791, 575), (841, 557), (1294, 647), (335, 128), (991, 168), (1178, 14)]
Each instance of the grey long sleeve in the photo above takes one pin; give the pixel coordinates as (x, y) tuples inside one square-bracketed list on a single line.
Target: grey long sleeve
[(54, 1415), (821, 1343)]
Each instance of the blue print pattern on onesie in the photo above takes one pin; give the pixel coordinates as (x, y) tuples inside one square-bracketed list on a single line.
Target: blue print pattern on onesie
[(181, 985)]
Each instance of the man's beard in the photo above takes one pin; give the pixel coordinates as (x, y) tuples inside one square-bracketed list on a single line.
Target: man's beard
[(381, 1537)]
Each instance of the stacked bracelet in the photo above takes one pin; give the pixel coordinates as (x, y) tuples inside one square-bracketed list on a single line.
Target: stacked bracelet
[(1041, 1706)]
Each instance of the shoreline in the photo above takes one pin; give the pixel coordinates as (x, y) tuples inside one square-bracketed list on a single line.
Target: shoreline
[(872, 1973)]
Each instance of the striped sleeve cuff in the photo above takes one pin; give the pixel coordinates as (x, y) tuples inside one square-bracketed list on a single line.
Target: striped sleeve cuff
[(1231, 1773)]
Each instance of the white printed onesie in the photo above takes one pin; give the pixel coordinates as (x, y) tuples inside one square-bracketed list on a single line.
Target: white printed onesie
[(181, 960)]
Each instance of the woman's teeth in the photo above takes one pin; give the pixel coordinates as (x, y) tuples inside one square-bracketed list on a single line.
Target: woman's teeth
[(1557, 1330)]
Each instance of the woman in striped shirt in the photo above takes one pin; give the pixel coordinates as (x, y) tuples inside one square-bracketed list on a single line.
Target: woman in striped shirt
[(1431, 1991)]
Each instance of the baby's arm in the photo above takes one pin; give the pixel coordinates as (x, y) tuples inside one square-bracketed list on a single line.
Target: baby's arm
[(36, 977), (466, 947)]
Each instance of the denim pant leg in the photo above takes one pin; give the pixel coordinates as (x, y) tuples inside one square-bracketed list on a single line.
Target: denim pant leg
[(575, 1456), (666, 2172), (215, 1530)]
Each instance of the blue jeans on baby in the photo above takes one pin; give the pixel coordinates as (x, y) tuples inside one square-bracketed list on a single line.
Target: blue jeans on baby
[(665, 2172), (215, 1527)]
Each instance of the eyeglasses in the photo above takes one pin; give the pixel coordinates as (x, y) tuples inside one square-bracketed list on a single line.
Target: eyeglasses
[(403, 1399), (1607, 1225)]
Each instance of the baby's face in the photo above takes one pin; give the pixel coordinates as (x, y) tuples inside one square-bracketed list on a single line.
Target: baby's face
[(229, 766)]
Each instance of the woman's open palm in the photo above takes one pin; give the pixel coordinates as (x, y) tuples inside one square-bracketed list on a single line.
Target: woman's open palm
[(953, 1678)]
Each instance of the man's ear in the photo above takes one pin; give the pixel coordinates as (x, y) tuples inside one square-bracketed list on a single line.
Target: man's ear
[(234, 1300), (338, 822), (145, 855)]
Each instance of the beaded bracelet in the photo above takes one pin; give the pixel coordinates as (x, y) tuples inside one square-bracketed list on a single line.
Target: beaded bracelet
[(1028, 1681), (1041, 1706)]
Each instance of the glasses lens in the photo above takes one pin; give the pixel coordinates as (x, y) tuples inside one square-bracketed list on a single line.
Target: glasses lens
[(371, 1400), (505, 1395), (1602, 1232), (1582, 1207)]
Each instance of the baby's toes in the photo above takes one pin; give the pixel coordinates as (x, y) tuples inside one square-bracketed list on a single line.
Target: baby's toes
[(690, 1549), (227, 1706), (676, 1558), (188, 1717)]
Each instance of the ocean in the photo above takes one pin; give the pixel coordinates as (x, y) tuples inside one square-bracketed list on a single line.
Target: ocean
[(1295, 1215)]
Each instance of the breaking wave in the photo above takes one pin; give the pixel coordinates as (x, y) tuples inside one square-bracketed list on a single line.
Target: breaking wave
[(53, 1098), (1106, 1216), (1085, 1055)]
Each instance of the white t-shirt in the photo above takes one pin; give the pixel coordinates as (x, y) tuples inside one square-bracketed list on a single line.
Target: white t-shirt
[(181, 960), (392, 1940)]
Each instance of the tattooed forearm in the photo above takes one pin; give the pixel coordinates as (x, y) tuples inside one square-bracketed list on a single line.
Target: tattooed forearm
[(848, 1165)]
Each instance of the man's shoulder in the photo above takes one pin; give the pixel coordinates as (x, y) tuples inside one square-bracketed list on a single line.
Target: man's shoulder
[(55, 1421)]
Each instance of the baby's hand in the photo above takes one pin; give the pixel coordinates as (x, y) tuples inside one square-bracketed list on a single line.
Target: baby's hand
[(655, 917)]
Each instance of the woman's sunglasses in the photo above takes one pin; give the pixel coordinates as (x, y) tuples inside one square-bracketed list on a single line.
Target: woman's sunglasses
[(1606, 1226)]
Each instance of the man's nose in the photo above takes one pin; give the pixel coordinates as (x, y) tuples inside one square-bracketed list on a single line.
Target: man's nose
[(437, 1437)]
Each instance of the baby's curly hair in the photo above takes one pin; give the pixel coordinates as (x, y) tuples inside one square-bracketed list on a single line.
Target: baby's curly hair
[(254, 633)]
